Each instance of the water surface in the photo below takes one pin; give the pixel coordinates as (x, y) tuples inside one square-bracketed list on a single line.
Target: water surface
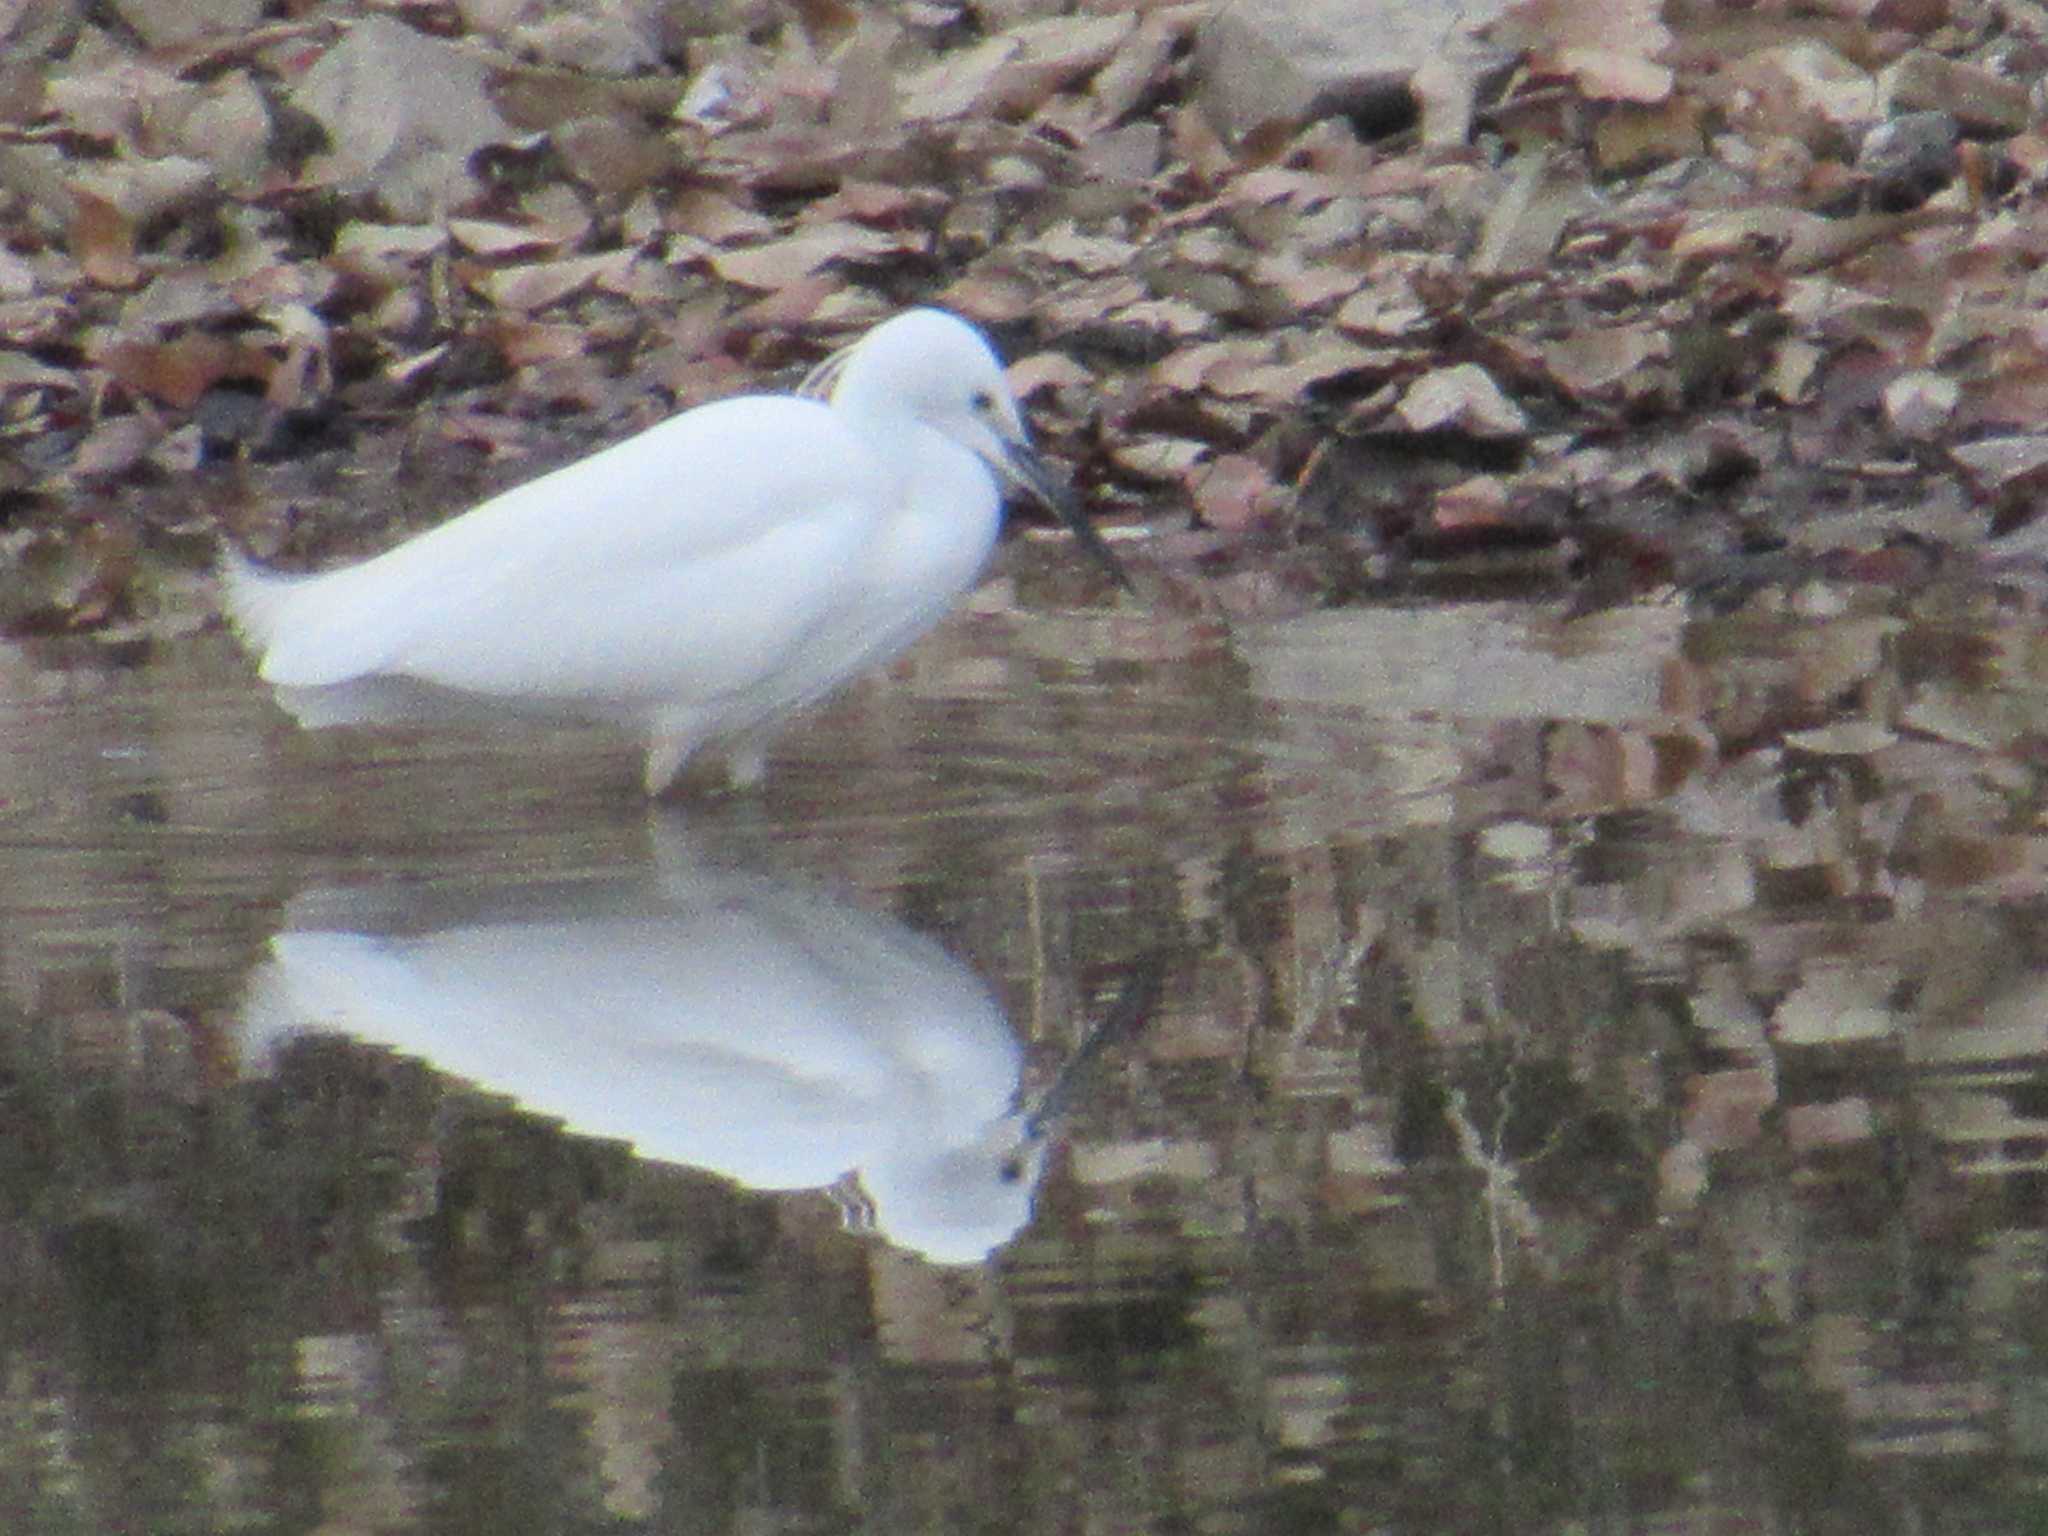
[(1569, 1076)]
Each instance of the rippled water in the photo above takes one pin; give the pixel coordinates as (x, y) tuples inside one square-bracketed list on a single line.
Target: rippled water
[(1436, 1070)]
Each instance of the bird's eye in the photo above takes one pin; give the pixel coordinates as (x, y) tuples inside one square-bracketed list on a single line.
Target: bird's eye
[(983, 402)]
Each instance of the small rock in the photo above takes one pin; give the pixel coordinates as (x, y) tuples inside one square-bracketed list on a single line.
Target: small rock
[(403, 113), (172, 23), (1461, 398), (1984, 105), (1815, 81), (1909, 159), (1920, 404), (1260, 61)]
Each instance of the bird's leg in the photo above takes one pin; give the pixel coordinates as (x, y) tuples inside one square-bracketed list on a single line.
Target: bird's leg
[(746, 765), (666, 755)]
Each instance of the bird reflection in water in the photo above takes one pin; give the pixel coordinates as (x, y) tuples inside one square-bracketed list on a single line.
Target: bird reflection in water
[(721, 1019)]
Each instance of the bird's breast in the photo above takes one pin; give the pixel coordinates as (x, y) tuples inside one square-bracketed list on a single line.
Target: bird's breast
[(945, 512)]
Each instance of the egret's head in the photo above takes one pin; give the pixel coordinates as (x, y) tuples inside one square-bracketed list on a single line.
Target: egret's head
[(931, 365), (940, 370)]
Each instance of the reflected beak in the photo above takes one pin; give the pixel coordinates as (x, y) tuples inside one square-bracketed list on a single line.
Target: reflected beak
[(1023, 468), (1136, 1001)]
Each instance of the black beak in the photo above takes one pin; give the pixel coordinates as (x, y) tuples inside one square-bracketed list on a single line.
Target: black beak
[(1136, 1001), (1024, 469)]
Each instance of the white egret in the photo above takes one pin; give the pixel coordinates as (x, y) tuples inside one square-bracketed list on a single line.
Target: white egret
[(697, 583)]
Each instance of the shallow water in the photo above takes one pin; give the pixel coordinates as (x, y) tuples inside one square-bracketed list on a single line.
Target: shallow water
[(1558, 1077)]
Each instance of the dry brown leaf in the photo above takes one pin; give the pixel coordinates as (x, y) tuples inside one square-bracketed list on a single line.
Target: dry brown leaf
[(389, 243), (956, 84), (1587, 767), (1187, 370), (1835, 1003), (1140, 61), (1635, 138), (2015, 393), (786, 309), (74, 583), (1522, 227), (722, 96), (1232, 493), (1046, 370), (1614, 74), (1386, 305), (862, 105), (1282, 184), (536, 285), (1084, 302), (175, 298), (716, 217), (1720, 234), (1285, 382), (116, 445), (407, 368), (1560, 25), (1446, 89), (180, 451), (19, 276), (558, 212), (1165, 317), (179, 371), (19, 371), (1993, 464), (225, 124), (1983, 103), (488, 237), (1596, 362), (1127, 156), (1055, 53), (1093, 254), (1306, 286), (990, 296), (827, 23), (1157, 456), (1478, 502), (108, 102), (300, 377), (524, 343), (102, 242), (780, 263), (613, 154), (491, 431), (1208, 159), (651, 285), (1844, 738), (866, 202), (1725, 1110), (1204, 248)]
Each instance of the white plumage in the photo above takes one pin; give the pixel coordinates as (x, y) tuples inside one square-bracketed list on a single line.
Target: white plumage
[(696, 583), (718, 1018)]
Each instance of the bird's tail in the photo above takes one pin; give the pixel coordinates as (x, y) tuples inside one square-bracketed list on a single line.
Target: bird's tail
[(254, 599)]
